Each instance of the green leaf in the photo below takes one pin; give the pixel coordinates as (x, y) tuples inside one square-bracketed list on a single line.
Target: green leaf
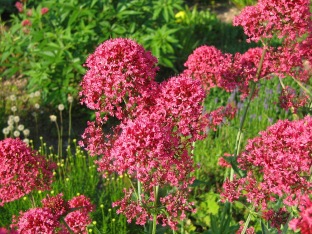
[(214, 227), (264, 228), (73, 17), (166, 14), (198, 183), (5, 55)]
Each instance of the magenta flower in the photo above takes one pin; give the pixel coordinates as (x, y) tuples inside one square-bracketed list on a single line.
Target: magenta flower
[(304, 222), (289, 98), (22, 170), (216, 117), (26, 22), (19, 6), (224, 163), (44, 10), (281, 156), (56, 204), (120, 72), (36, 220), (5, 231), (29, 12), (276, 218)]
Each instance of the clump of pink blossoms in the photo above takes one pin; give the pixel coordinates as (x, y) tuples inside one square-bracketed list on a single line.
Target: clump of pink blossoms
[(289, 99), (47, 218), (250, 230), (282, 155), (304, 222), (19, 6), (223, 163), (22, 170), (44, 10), (276, 218), (5, 231), (159, 122), (26, 22), (216, 117)]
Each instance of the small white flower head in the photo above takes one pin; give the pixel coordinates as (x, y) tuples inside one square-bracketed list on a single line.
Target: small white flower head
[(26, 132), (11, 117), (70, 99), (34, 114), (6, 131), (53, 118), (13, 108), (16, 119), (26, 140), (32, 95), (12, 97), (37, 106), (20, 127), (10, 127), (61, 107), (10, 122), (37, 94), (16, 133)]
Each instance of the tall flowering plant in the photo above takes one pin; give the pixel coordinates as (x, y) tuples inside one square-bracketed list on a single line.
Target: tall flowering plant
[(159, 122), (278, 163)]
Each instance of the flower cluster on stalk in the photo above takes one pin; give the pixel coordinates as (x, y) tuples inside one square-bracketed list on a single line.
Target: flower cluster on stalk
[(159, 122)]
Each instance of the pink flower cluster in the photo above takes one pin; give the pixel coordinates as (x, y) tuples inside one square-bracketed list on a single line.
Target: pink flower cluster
[(289, 98), (26, 22), (159, 122), (216, 117), (215, 69), (47, 218), (277, 218), (284, 18), (19, 6), (304, 222), (250, 230), (22, 170), (44, 10), (5, 231), (281, 155), (224, 163)]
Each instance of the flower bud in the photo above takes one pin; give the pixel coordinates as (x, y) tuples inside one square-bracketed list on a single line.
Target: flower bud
[(16, 133), (61, 107), (53, 118), (20, 127)]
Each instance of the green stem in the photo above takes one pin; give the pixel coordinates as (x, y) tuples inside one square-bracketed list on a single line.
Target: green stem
[(240, 131), (156, 189), (61, 150), (59, 140), (247, 221), (69, 129)]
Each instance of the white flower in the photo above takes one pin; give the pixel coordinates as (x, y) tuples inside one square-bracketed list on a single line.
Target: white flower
[(61, 107), (10, 122), (53, 118), (70, 99), (13, 108), (11, 117), (10, 127), (16, 119), (20, 127), (5, 131), (26, 132), (12, 97), (37, 106), (37, 93), (32, 95), (16, 133), (26, 141)]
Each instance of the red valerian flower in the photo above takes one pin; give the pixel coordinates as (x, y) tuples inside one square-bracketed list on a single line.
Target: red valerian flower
[(5, 231), (277, 218), (289, 98), (56, 204), (120, 73), (22, 170), (281, 156), (19, 6), (44, 10), (304, 222), (36, 220), (26, 22)]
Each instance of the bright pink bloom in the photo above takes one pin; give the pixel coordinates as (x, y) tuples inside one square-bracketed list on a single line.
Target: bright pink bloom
[(56, 204), (29, 12), (5, 231), (26, 30), (282, 155), (26, 22), (120, 72), (44, 10), (22, 170), (218, 116), (19, 6), (289, 98), (224, 163), (284, 18), (277, 218), (304, 222), (36, 220), (250, 230), (79, 219)]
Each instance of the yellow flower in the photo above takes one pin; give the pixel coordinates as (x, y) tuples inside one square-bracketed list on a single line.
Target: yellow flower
[(180, 16)]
